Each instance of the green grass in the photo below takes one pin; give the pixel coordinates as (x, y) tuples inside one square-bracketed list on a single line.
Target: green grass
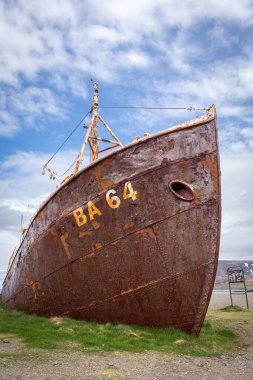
[(237, 319), (234, 308), (66, 333), (5, 355)]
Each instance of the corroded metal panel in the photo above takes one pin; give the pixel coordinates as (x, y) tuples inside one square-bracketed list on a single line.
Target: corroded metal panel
[(133, 238)]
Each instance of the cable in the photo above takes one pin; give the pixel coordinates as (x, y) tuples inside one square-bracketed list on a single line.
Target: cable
[(73, 163), (67, 139), (158, 108)]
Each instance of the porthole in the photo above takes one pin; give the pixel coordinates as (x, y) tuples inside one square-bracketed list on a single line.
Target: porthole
[(182, 190)]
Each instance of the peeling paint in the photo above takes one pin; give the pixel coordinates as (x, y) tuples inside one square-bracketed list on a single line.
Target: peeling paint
[(65, 244), (53, 231), (149, 231), (128, 225), (83, 234), (95, 224), (98, 245)]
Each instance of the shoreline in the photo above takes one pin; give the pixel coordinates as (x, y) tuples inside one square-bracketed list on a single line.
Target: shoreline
[(220, 299)]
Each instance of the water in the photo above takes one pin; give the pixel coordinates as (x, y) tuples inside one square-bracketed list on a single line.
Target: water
[(226, 291)]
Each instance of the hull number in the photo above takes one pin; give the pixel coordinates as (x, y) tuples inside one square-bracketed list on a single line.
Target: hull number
[(112, 200)]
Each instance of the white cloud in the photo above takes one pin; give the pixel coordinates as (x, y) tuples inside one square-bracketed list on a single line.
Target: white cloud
[(237, 220), (134, 15), (134, 58), (163, 48), (221, 82), (30, 103), (54, 36), (9, 124), (237, 182), (9, 240), (37, 101), (23, 189), (219, 37), (57, 45), (236, 139), (247, 132)]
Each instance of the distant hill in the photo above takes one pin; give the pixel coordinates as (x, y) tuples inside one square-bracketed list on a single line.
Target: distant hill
[(221, 281)]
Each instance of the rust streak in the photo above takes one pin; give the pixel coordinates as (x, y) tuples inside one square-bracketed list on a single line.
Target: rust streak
[(65, 244), (149, 231), (34, 290), (53, 231), (212, 166), (87, 256), (128, 225), (97, 175), (113, 242), (84, 233), (145, 286), (95, 224), (105, 184)]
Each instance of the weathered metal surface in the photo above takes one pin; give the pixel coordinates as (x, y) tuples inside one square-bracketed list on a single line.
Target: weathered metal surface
[(133, 238)]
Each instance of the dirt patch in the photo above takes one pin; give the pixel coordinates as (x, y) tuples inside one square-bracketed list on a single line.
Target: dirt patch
[(21, 363), (80, 365)]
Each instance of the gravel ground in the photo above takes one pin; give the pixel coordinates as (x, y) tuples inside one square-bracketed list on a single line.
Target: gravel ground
[(24, 363), (57, 365)]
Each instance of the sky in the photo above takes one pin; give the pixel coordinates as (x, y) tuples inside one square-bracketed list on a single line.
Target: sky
[(161, 53)]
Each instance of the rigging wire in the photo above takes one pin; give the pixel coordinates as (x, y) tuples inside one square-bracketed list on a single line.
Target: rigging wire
[(117, 107), (71, 133), (157, 108), (73, 163), (122, 107)]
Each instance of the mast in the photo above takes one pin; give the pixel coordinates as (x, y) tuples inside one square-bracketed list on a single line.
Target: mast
[(93, 128), (92, 137), (93, 141)]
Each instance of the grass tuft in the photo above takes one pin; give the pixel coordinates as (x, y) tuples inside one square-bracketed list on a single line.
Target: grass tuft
[(54, 333), (5, 355), (234, 308)]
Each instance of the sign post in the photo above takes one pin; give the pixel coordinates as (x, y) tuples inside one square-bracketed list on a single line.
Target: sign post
[(236, 275)]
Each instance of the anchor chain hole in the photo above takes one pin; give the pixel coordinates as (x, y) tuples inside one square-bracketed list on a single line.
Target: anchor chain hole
[(182, 190)]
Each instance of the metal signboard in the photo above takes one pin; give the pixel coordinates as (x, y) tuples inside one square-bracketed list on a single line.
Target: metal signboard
[(236, 275)]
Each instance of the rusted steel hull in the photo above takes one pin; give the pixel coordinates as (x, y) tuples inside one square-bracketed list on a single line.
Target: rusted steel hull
[(133, 238)]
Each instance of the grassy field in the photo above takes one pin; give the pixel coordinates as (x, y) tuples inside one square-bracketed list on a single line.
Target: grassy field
[(218, 334)]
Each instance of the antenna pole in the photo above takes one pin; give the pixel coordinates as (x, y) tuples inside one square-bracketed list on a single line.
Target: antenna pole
[(92, 137), (91, 134), (94, 132), (94, 144)]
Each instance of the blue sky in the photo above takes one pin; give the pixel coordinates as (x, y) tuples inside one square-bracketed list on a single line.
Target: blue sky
[(162, 53)]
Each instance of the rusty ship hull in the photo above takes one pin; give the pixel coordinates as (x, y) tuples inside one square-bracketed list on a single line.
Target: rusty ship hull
[(133, 238)]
